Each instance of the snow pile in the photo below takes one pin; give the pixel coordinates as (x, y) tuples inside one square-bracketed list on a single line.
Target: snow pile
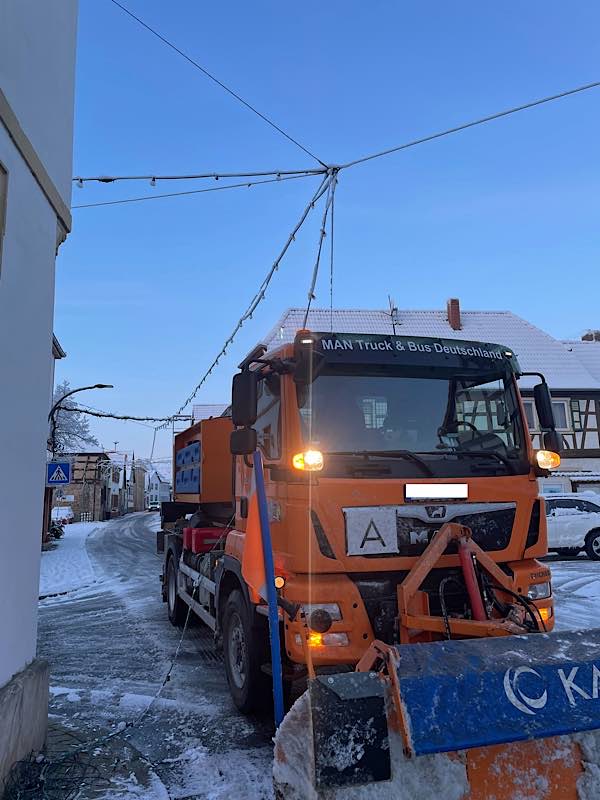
[(67, 566)]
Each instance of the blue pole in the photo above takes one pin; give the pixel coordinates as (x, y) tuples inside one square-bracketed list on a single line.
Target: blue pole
[(265, 532)]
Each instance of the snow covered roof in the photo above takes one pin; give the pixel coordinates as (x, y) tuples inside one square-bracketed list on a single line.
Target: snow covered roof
[(535, 349), (579, 476), (160, 475), (57, 351), (586, 352), (207, 410)]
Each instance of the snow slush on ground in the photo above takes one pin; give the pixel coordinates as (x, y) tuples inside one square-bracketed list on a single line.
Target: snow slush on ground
[(67, 567)]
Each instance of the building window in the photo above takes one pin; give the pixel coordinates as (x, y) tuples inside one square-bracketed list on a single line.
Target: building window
[(576, 415), (530, 414), (560, 414), (3, 194)]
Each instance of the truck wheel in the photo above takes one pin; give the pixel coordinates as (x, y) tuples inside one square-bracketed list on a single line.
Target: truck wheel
[(592, 544), (175, 605), (243, 648)]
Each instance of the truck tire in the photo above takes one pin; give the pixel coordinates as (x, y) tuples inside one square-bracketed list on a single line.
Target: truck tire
[(592, 544), (244, 651), (176, 608)]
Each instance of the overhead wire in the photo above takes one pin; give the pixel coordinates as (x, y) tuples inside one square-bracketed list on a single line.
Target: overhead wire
[(196, 177), (123, 417), (217, 81), (471, 124), (331, 184), (246, 184), (331, 239), (258, 297)]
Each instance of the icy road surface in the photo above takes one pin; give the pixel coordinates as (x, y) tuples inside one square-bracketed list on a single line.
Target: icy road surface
[(110, 644), (576, 587)]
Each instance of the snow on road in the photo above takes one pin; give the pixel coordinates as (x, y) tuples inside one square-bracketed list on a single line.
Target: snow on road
[(67, 567), (576, 587), (110, 646)]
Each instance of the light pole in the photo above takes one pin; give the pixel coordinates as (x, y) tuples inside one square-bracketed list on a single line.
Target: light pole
[(56, 406), (52, 419)]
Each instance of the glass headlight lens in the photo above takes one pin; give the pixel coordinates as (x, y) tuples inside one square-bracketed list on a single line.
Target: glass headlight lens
[(308, 461), (331, 608), (539, 591)]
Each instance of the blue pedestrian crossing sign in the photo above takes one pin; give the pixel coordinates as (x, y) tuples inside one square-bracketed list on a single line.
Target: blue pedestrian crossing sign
[(58, 473)]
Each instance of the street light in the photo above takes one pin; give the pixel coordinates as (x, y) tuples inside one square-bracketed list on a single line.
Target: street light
[(56, 406)]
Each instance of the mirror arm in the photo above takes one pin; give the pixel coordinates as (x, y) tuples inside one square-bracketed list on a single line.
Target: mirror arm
[(532, 375)]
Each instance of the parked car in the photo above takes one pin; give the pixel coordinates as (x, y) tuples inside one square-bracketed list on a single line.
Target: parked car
[(574, 524), (62, 514)]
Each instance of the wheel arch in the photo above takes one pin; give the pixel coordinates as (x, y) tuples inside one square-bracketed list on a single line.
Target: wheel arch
[(228, 580), (595, 530), (173, 549)]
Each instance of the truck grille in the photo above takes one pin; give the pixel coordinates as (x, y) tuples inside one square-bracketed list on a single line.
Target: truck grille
[(379, 595)]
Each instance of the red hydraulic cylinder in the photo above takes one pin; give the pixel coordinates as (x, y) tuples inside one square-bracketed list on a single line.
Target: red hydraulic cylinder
[(466, 562)]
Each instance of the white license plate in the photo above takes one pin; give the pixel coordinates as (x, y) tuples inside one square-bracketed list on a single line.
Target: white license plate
[(371, 531), (437, 491)]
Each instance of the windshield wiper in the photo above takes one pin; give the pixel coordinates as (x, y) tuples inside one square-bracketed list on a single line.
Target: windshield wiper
[(407, 455), (476, 454)]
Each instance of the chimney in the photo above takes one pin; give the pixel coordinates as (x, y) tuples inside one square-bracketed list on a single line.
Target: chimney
[(453, 307), (591, 336)]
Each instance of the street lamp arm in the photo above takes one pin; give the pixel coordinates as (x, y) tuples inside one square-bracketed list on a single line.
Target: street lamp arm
[(51, 415), (74, 391)]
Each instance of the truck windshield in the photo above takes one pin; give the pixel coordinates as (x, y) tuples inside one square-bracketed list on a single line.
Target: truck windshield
[(414, 425)]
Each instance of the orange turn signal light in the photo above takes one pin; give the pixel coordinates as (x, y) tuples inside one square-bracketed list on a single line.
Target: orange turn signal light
[(547, 459), (315, 639), (309, 461), (545, 613)]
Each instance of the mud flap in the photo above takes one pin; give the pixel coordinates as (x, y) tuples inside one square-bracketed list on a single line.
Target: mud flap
[(350, 731)]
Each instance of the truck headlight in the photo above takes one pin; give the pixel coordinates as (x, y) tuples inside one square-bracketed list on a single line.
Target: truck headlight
[(539, 591), (325, 639), (547, 459), (330, 608), (309, 461)]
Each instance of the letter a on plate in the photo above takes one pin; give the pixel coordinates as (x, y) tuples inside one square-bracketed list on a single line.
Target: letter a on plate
[(371, 531)]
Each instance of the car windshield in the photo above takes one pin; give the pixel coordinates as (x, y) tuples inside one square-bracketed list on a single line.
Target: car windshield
[(441, 425)]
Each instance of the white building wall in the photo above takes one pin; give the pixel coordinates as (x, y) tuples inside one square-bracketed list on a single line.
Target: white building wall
[(37, 57)]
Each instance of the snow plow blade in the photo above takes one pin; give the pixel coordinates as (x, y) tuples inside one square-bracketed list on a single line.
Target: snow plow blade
[(511, 713)]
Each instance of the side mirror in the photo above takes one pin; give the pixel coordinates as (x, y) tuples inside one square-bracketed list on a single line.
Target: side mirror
[(244, 398), (543, 406), (553, 441), (243, 442)]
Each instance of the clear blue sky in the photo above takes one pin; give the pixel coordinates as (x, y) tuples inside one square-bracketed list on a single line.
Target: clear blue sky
[(504, 216)]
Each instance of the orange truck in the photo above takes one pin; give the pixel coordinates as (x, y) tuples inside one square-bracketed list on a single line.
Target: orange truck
[(372, 444)]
